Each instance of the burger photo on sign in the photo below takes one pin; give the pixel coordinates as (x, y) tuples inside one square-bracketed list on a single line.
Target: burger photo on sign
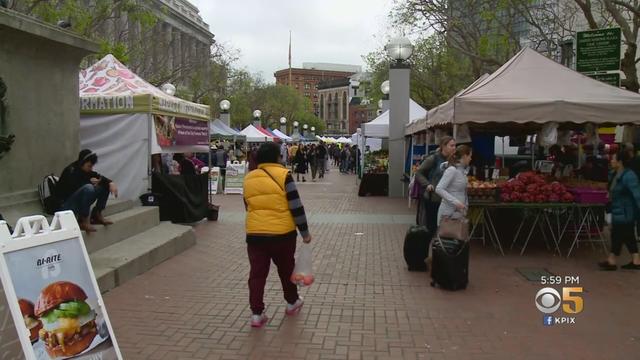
[(68, 322), (33, 325)]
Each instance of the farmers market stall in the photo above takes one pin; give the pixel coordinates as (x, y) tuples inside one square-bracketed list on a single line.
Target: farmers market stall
[(375, 179), (125, 120), (532, 94)]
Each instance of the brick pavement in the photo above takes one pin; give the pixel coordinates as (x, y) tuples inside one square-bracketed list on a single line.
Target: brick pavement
[(364, 304)]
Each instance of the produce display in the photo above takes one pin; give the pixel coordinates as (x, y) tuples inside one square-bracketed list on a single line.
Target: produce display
[(482, 191), (530, 187), (376, 162)]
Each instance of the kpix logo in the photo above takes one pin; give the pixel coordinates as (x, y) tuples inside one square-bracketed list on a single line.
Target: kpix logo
[(548, 301)]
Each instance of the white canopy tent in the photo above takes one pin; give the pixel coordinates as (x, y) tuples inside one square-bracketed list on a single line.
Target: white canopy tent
[(379, 127), (254, 135), (125, 120), (531, 88), (282, 135)]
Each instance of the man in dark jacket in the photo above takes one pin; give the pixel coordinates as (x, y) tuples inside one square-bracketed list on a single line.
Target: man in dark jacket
[(79, 187)]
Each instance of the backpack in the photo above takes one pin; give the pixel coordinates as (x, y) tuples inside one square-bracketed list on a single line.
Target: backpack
[(47, 190)]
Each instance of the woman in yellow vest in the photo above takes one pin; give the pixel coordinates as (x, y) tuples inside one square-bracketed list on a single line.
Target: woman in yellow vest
[(274, 211)]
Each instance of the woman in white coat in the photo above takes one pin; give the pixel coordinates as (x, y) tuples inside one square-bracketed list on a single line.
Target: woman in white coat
[(452, 187)]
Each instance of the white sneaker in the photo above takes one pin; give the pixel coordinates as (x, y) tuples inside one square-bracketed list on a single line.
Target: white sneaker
[(258, 321), (293, 309)]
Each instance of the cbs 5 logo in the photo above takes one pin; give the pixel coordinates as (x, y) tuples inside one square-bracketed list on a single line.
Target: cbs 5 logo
[(548, 300)]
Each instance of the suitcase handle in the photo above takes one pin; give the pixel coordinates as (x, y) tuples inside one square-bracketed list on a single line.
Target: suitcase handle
[(445, 250)]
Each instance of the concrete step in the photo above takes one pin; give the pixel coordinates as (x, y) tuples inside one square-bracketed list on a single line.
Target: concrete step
[(115, 206), (118, 263), (18, 205), (125, 225)]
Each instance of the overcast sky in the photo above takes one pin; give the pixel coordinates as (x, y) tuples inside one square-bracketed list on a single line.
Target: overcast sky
[(336, 31)]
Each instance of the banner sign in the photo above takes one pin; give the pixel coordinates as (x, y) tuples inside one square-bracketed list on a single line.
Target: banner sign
[(214, 176), (52, 291), (234, 178), (611, 79), (172, 131), (598, 50)]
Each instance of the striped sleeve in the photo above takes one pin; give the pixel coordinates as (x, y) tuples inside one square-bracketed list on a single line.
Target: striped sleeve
[(295, 206)]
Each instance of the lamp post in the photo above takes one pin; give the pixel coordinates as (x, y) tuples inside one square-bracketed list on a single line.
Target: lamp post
[(296, 134), (168, 89), (313, 131), (225, 116), (283, 125), (305, 127), (399, 51), (256, 117)]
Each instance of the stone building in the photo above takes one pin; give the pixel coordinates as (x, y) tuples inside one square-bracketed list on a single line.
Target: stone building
[(305, 80), (334, 105), (178, 41)]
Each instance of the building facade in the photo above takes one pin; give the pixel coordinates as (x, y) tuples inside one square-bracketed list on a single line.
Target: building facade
[(306, 80), (333, 102), (179, 41), (360, 111)]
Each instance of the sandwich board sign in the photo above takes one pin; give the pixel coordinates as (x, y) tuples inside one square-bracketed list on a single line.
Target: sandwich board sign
[(234, 177), (214, 178), (52, 292)]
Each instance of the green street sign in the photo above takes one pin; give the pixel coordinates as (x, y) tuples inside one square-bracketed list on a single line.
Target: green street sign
[(611, 79), (598, 50)]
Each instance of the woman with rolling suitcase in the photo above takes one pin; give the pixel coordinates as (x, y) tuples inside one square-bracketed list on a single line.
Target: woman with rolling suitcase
[(450, 268)]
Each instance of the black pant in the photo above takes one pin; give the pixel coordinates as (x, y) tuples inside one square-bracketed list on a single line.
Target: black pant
[(428, 216), (623, 234)]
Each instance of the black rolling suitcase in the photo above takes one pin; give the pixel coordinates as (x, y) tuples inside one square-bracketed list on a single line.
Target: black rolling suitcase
[(450, 266), (416, 247)]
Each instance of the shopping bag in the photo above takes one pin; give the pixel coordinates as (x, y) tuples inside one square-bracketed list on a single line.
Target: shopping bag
[(303, 271)]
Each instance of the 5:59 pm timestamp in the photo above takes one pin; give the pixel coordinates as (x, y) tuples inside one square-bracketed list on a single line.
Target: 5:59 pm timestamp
[(560, 280)]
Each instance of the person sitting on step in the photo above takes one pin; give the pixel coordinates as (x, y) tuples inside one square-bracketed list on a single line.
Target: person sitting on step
[(79, 187)]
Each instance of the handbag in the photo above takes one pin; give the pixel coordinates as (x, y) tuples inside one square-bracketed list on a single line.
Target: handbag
[(457, 228), (451, 228)]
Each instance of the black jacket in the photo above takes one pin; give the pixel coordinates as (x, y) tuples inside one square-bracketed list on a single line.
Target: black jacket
[(73, 178)]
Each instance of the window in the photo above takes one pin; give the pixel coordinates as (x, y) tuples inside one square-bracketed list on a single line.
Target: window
[(344, 105), (307, 94), (566, 53), (307, 86)]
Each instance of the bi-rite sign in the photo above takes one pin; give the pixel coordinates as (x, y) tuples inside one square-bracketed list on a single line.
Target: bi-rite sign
[(549, 300), (52, 292)]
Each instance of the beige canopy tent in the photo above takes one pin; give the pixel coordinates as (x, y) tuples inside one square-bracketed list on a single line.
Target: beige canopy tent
[(532, 89)]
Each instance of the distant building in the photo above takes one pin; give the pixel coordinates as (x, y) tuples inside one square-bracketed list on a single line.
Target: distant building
[(344, 104), (334, 96), (305, 80), (360, 111)]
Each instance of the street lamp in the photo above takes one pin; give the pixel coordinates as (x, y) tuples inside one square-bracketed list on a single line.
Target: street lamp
[(385, 87), (296, 133), (399, 49), (225, 105), (168, 89), (225, 116), (256, 117), (313, 131), (283, 125)]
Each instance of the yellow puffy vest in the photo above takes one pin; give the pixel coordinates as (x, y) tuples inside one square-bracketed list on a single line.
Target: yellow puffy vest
[(267, 206)]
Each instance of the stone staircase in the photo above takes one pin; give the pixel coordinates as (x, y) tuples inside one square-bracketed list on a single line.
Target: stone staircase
[(136, 242)]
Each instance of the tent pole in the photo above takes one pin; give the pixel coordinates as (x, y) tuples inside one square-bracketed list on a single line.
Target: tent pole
[(150, 126)]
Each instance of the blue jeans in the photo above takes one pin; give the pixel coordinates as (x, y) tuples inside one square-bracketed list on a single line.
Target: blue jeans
[(81, 200)]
